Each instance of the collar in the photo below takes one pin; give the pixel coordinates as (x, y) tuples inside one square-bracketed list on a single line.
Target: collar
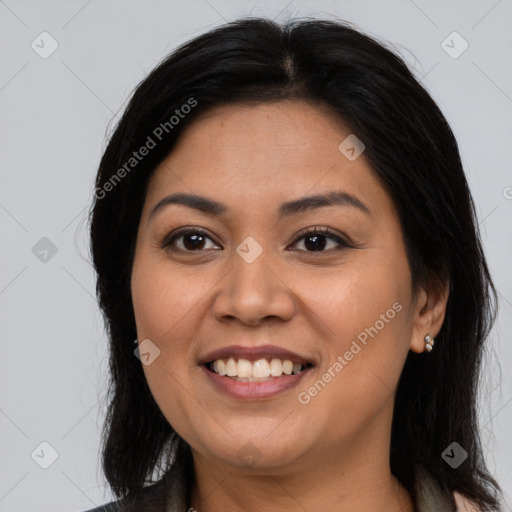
[(170, 494), (428, 495)]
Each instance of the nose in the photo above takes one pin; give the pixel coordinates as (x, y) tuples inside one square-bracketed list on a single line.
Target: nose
[(253, 292)]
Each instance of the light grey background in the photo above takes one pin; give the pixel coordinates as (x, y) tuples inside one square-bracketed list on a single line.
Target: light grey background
[(54, 118)]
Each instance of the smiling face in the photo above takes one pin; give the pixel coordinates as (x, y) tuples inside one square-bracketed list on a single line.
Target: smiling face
[(253, 276)]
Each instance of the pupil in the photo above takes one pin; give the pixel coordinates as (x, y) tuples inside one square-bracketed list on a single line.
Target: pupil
[(198, 240), (313, 242), (316, 245)]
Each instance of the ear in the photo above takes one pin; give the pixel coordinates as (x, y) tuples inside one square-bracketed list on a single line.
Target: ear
[(429, 312)]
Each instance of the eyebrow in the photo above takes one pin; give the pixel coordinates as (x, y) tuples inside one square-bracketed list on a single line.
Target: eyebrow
[(287, 209)]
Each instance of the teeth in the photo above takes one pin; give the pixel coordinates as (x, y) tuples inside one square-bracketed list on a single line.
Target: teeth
[(244, 368), (276, 367), (231, 368), (219, 367), (287, 367), (262, 369)]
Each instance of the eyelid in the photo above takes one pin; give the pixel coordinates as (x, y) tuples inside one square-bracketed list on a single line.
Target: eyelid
[(343, 240), (169, 238)]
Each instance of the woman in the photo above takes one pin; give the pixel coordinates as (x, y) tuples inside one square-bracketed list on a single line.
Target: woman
[(283, 225)]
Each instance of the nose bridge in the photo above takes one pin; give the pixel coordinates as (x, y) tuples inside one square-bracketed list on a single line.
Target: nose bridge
[(253, 290), (251, 267)]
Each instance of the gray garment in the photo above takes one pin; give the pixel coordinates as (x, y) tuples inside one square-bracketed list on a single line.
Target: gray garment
[(428, 497)]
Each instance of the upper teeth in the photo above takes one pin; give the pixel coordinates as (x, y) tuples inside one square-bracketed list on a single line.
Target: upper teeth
[(259, 369)]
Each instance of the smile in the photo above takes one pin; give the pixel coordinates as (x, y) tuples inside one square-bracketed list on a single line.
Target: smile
[(252, 387), (261, 370)]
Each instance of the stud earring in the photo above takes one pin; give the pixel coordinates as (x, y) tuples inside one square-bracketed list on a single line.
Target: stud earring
[(429, 343)]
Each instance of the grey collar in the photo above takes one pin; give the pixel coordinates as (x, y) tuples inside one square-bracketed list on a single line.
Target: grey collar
[(170, 495), (428, 495)]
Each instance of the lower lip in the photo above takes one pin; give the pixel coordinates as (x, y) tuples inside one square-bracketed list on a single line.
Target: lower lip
[(254, 390)]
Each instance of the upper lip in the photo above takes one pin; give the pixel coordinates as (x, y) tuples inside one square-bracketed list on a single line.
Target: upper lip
[(253, 354)]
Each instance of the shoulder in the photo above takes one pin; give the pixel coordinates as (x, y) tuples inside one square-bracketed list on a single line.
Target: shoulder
[(143, 501), (429, 496), (113, 506), (124, 505), (463, 504), (165, 495), (149, 499)]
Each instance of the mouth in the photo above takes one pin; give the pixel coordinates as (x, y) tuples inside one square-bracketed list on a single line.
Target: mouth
[(257, 372), (260, 370)]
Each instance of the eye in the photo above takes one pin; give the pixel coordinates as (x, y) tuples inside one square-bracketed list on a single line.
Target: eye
[(314, 239), (192, 240)]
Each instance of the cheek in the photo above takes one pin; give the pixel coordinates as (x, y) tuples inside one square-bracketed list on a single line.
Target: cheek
[(362, 369), (370, 326), (162, 302), (167, 311), (368, 301)]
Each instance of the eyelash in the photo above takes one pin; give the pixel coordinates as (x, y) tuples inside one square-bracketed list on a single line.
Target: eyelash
[(169, 240)]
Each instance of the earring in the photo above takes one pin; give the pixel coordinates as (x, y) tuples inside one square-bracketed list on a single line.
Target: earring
[(429, 343)]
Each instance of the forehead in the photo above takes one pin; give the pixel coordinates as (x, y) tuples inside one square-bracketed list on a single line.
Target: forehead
[(260, 154), (293, 127)]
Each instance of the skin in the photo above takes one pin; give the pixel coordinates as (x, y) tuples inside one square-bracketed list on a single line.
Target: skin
[(326, 454)]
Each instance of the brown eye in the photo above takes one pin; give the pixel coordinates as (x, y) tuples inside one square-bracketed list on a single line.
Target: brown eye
[(188, 241), (195, 240), (315, 240)]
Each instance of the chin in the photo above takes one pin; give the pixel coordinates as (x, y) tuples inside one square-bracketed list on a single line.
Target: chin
[(255, 452)]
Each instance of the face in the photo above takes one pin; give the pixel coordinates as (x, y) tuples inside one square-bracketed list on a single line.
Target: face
[(328, 282)]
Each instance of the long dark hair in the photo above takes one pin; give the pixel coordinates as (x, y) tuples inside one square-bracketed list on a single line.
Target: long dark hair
[(413, 152)]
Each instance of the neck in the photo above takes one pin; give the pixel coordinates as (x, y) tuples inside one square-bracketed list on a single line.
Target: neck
[(358, 480)]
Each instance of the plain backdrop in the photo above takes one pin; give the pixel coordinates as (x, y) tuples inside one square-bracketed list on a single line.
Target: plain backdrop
[(56, 110)]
